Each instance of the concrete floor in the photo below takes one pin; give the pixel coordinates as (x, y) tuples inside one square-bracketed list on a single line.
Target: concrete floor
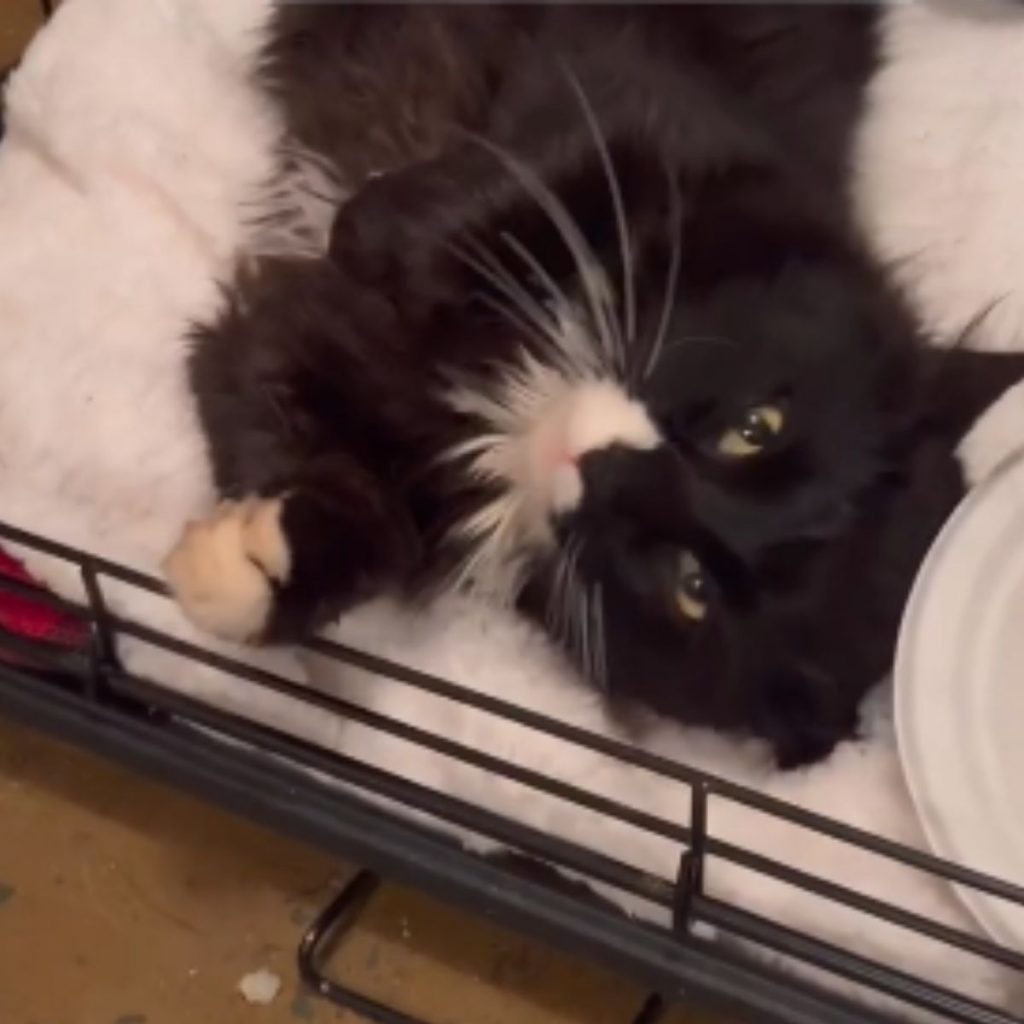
[(122, 902)]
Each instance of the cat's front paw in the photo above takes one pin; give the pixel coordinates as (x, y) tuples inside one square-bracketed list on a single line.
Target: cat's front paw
[(224, 571)]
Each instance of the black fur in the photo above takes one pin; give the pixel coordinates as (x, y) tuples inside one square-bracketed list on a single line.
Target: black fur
[(324, 379)]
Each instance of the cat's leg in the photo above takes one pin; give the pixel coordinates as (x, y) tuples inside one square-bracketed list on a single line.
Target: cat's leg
[(273, 567), (298, 372), (224, 569)]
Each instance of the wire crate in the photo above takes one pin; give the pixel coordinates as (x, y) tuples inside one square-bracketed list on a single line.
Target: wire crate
[(79, 691)]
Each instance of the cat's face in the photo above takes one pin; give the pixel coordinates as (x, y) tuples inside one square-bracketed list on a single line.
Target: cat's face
[(746, 565), (740, 553)]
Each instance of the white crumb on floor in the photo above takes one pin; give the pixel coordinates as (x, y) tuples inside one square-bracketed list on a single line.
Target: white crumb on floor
[(260, 987)]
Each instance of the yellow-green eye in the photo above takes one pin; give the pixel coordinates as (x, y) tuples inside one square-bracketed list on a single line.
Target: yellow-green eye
[(755, 431), (691, 588)]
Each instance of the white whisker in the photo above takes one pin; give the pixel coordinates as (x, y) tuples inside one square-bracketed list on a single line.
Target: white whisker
[(575, 601), (672, 278), (591, 273), (571, 351), (501, 273), (499, 276), (561, 596), (556, 612), (615, 189), (600, 647), (558, 297), (517, 319), (470, 448), (586, 622)]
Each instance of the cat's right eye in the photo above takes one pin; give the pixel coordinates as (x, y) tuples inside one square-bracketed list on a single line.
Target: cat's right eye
[(691, 595), (755, 431)]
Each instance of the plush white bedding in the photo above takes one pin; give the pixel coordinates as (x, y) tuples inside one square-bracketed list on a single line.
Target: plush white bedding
[(134, 140)]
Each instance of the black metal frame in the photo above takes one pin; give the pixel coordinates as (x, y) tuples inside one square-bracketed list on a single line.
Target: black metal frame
[(86, 696)]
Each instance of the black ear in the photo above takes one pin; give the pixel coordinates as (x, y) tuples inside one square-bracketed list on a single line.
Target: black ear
[(401, 232), (958, 385)]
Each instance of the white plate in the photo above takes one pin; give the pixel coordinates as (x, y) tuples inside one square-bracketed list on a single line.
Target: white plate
[(959, 682)]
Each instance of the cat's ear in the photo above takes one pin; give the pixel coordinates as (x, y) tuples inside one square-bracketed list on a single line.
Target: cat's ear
[(403, 230), (956, 386)]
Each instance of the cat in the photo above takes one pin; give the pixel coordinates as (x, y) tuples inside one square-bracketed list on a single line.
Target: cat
[(593, 333)]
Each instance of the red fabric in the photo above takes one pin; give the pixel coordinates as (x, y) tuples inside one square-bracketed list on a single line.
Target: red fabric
[(30, 619)]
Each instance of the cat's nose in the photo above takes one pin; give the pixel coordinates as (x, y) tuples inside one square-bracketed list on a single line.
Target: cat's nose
[(646, 486)]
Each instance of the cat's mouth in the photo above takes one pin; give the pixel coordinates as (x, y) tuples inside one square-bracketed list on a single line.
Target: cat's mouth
[(535, 428), (584, 418)]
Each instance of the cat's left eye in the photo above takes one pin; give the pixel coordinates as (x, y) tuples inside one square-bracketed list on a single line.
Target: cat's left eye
[(756, 429), (692, 594)]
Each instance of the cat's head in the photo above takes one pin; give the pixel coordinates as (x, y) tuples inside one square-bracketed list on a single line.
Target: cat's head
[(736, 533), (714, 456), (741, 555)]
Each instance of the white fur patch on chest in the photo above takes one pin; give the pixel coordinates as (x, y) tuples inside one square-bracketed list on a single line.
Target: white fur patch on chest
[(537, 423)]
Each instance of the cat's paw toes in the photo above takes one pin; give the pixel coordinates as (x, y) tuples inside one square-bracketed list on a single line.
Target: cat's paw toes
[(224, 569)]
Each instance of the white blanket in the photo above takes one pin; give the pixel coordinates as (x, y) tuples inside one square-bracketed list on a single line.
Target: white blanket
[(134, 137)]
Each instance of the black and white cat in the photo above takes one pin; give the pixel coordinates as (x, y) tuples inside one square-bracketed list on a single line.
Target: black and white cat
[(595, 334)]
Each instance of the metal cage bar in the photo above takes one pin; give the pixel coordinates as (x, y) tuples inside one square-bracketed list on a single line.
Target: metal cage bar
[(338, 918)]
